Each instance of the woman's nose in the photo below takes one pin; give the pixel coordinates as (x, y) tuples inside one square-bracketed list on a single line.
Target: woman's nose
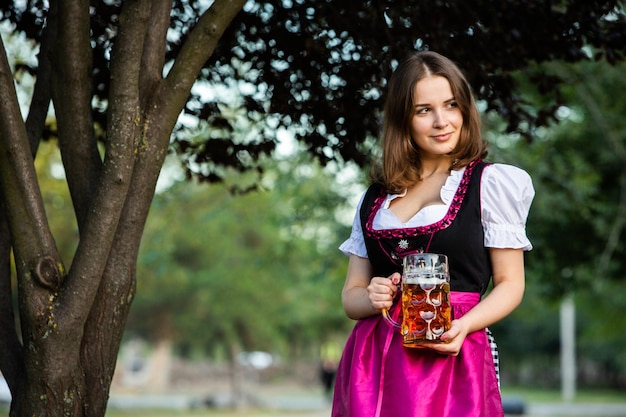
[(440, 120)]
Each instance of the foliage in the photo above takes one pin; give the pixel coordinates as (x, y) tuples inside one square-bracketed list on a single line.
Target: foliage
[(576, 224), (56, 198), (259, 270), (321, 70), (324, 67)]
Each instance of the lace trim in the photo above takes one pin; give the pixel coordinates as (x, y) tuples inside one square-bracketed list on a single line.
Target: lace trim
[(447, 220)]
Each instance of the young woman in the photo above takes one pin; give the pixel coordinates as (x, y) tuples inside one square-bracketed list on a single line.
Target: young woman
[(432, 193)]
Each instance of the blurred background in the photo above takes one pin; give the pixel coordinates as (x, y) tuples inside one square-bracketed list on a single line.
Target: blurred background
[(237, 290), (239, 281)]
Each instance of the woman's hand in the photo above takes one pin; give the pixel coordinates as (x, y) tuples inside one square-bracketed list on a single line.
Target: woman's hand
[(454, 339), (364, 296), (381, 291), (506, 295)]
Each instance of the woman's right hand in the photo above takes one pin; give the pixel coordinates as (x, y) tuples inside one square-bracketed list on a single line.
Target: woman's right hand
[(363, 296), (381, 291)]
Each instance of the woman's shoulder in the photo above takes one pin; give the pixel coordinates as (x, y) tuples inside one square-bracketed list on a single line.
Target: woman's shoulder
[(506, 175), (508, 181), (506, 196)]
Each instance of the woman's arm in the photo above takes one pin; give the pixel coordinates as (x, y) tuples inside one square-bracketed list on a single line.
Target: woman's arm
[(364, 296), (506, 295)]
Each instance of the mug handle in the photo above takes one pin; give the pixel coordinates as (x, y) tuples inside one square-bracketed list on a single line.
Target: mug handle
[(387, 316), (389, 319)]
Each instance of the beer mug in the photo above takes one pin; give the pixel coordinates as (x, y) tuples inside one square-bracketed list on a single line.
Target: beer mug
[(425, 289)]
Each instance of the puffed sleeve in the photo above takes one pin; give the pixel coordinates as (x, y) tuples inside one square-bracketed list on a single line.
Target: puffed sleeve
[(506, 195), (355, 244)]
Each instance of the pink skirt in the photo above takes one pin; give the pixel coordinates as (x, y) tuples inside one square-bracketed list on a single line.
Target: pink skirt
[(378, 377)]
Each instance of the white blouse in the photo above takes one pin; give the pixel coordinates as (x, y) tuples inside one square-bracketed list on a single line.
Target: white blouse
[(506, 193)]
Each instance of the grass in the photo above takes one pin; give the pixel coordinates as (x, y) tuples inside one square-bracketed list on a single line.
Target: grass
[(527, 394), (552, 396), (212, 413)]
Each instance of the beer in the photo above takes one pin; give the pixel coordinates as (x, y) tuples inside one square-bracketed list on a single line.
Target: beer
[(426, 309)]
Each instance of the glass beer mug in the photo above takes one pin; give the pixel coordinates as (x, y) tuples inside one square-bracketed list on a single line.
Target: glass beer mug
[(425, 289)]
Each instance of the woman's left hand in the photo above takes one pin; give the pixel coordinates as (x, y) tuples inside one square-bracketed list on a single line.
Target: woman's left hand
[(454, 338)]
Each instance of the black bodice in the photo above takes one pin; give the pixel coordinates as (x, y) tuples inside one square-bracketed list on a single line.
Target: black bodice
[(459, 235)]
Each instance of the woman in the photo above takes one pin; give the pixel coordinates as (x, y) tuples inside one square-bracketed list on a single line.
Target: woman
[(433, 193)]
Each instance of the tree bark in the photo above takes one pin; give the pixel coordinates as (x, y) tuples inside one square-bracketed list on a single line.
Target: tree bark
[(70, 57)]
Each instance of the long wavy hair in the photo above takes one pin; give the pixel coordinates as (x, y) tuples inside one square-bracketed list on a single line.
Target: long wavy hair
[(401, 163)]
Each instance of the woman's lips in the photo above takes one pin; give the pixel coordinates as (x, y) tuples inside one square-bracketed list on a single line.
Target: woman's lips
[(443, 137)]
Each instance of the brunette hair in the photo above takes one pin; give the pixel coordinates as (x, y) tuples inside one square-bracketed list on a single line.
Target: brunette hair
[(401, 164)]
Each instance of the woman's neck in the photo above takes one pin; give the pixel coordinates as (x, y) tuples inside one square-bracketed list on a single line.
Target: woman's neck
[(434, 167)]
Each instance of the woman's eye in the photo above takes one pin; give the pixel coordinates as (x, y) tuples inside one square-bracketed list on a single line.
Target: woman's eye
[(423, 110), (453, 104)]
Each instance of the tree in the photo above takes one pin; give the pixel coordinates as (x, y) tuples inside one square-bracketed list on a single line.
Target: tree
[(72, 318), (579, 173), (120, 72)]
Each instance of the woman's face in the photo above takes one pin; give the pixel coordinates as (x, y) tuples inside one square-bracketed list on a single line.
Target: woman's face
[(437, 120)]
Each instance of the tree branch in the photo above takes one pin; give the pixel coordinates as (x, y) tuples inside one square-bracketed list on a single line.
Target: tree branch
[(124, 137), (162, 107), (22, 198), (72, 66), (158, 115), (117, 286), (42, 93), (154, 47), (11, 353), (198, 48), (167, 98)]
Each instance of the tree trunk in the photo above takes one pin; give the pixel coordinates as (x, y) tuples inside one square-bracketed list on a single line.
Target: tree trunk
[(238, 392), (161, 366), (69, 369)]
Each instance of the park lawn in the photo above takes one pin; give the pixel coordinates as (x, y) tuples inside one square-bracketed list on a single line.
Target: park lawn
[(526, 394), (212, 413), (550, 396)]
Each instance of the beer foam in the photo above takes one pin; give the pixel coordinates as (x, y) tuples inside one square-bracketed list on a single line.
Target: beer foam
[(424, 279)]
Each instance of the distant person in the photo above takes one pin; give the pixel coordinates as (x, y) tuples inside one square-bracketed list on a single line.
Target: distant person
[(433, 192), (330, 353)]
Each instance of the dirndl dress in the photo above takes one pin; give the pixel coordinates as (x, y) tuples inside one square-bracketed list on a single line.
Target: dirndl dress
[(377, 376)]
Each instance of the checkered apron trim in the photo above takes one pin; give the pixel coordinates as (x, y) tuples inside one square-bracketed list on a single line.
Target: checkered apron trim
[(494, 354)]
